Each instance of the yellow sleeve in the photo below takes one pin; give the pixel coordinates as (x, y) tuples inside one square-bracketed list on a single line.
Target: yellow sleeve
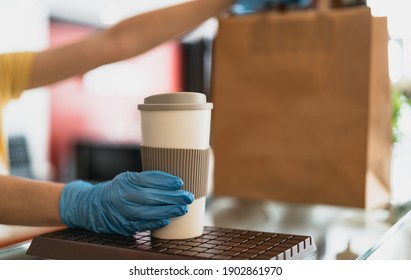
[(15, 74)]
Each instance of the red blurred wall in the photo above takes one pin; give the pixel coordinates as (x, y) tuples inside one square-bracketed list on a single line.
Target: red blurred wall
[(80, 115)]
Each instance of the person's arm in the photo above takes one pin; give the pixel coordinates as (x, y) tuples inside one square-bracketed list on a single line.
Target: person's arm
[(128, 38), (130, 202), (29, 202)]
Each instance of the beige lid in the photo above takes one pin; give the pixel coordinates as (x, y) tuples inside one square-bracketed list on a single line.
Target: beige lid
[(176, 101)]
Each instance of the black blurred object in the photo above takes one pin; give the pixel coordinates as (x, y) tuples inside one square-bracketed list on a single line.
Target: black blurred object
[(19, 158), (99, 162), (193, 66), (196, 66)]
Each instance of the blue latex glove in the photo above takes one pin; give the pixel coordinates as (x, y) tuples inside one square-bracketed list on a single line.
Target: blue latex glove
[(249, 6), (130, 202)]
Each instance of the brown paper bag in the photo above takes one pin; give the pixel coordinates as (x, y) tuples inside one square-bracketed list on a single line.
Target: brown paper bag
[(302, 107)]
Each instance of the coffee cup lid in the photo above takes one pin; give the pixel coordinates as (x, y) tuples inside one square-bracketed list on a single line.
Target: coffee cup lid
[(175, 101)]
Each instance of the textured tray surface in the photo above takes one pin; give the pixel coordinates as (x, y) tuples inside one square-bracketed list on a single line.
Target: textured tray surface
[(216, 243)]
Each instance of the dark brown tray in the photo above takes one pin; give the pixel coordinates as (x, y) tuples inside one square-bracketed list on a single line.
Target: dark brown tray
[(216, 243)]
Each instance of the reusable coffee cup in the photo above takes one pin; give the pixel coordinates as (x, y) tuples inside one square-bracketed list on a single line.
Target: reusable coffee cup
[(175, 133)]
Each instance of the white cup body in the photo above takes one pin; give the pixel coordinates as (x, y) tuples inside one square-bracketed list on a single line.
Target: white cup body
[(183, 129), (179, 129)]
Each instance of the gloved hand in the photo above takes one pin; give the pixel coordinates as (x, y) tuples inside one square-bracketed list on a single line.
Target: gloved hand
[(249, 6), (130, 202)]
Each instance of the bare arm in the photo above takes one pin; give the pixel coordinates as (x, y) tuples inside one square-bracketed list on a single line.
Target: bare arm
[(128, 38), (29, 202)]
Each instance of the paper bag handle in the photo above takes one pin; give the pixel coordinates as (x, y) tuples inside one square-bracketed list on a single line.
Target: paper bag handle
[(325, 5)]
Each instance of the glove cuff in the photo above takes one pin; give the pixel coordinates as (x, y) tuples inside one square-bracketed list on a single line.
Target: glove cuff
[(73, 198)]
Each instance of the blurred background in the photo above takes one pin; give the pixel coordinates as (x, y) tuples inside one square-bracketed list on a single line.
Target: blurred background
[(68, 129), (76, 128), (85, 119)]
